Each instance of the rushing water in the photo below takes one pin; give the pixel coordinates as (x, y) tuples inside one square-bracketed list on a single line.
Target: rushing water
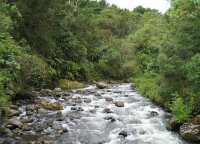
[(91, 127)]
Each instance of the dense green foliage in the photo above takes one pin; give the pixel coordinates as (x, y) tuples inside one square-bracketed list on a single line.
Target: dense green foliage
[(42, 41)]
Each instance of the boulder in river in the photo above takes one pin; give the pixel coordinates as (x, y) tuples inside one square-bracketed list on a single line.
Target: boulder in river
[(46, 91), (101, 85), (13, 112), (88, 100), (8, 132), (109, 98), (97, 94), (107, 110), (2, 141), (153, 114), (119, 104), (57, 90), (15, 122), (46, 104), (123, 133), (190, 132), (196, 120), (172, 125)]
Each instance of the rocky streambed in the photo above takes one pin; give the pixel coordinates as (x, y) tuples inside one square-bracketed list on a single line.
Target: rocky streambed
[(104, 115)]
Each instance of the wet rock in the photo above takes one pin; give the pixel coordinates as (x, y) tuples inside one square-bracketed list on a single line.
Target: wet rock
[(80, 109), (153, 114), (46, 142), (31, 142), (172, 125), (123, 133), (29, 133), (190, 132), (60, 132), (119, 104), (133, 85), (46, 91), (57, 90), (93, 111), (26, 128), (8, 132), (97, 94), (59, 112), (96, 106), (76, 100), (29, 113), (107, 110), (109, 98), (2, 140), (30, 108), (11, 127), (196, 120), (110, 118), (27, 120), (74, 108), (73, 104), (46, 104), (101, 85), (57, 127), (168, 115), (15, 122), (13, 112), (88, 100)]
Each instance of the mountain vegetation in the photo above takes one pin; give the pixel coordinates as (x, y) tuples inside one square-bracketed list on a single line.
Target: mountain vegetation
[(43, 41)]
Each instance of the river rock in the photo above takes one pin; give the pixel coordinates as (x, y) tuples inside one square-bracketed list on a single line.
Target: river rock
[(8, 132), (97, 94), (60, 132), (107, 110), (172, 125), (46, 142), (27, 120), (110, 118), (74, 108), (153, 114), (76, 100), (123, 133), (13, 112), (109, 98), (2, 141), (57, 127), (57, 90), (80, 109), (15, 122), (196, 120), (59, 112), (101, 85), (119, 104), (88, 100), (46, 104), (190, 132), (30, 108), (46, 91)]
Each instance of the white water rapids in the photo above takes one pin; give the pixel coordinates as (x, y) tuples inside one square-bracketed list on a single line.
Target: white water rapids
[(91, 127)]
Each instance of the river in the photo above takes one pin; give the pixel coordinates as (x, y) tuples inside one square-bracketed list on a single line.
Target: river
[(143, 122)]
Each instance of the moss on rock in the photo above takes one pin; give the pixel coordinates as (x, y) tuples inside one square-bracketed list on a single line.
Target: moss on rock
[(68, 84)]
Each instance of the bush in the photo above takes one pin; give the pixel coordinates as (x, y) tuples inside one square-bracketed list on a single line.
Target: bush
[(34, 72), (147, 86), (180, 110)]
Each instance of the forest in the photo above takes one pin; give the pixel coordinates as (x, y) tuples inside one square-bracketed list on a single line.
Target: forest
[(42, 41)]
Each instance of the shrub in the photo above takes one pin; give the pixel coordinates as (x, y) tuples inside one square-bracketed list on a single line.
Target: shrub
[(180, 110)]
